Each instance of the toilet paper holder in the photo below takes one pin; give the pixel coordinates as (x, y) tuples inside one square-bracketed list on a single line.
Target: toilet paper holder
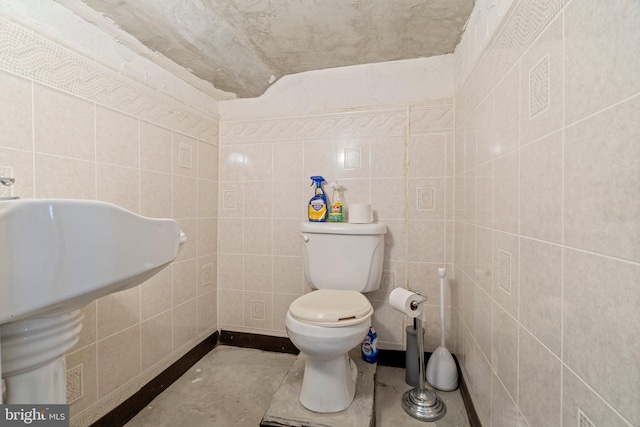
[(420, 402), (416, 304)]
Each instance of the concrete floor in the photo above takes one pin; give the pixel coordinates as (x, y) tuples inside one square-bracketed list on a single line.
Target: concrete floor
[(234, 386)]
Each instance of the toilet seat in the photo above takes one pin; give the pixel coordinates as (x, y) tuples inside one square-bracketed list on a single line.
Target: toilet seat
[(331, 308)]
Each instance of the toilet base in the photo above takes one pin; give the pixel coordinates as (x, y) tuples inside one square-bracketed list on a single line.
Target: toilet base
[(329, 385)]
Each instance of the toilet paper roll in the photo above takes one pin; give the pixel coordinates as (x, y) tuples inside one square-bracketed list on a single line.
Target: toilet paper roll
[(401, 300), (360, 213)]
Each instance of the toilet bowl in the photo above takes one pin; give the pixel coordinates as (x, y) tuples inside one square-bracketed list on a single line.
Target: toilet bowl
[(325, 325)]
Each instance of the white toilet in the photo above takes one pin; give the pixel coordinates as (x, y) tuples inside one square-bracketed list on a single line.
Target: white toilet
[(341, 261)]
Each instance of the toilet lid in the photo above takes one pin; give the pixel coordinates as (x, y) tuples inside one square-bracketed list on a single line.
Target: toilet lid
[(331, 307)]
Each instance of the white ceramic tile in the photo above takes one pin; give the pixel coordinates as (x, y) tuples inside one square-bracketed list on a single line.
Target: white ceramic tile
[(319, 158), (483, 322), (481, 386), (469, 141), (258, 236), (258, 162), (184, 323), (541, 291), (426, 241), (207, 236), (506, 263), (507, 113), (541, 189), (231, 163), (539, 382), (118, 360), (601, 60), (118, 311), (230, 236), (257, 201), (63, 124), (426, 199), (117, 140), (286, 237), (387, 157), (258, 273), (185, 197), (258, 310), (207, 161), (602, 159), (156, 195), (484, 194), (185, 155), (468, 262), (541, 83), (64, 178), (207, 198), (231, 199), (185, 277), (578, 399), (504, 412), (16, 125), (207, 273), (288, 160), (84, 359), (506, 193), (155, 339), (230, 271), (120, 186), (156, 294), (483, 267), (388, 198), (504, 353), (485, 131), (606, 356), (287, 199), (287, 275), (207, 306), (230, 307), (156, 152)]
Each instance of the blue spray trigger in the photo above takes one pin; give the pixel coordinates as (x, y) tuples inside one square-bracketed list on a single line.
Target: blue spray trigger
[(317, 180)]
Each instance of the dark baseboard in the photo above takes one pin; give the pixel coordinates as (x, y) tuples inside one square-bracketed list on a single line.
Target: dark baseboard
[(474, 419), (257, 341), (128, 409)]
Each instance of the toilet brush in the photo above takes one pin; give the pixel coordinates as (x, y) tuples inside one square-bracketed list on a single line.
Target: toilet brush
[(442, 372)]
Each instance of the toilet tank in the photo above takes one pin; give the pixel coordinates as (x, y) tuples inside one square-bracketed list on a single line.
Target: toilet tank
[(343, 255)]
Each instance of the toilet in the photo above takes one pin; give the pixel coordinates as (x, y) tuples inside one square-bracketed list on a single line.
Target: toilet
[(341, 261)]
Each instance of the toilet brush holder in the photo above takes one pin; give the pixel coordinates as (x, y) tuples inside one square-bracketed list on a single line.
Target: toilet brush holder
[(419, 402)]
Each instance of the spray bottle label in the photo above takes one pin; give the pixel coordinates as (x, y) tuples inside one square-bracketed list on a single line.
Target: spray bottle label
[(335, 214), (370, 346), (317, 209)]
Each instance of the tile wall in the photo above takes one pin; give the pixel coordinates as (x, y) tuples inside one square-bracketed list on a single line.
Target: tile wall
[(73, 129), (398, 160), (547, 229)]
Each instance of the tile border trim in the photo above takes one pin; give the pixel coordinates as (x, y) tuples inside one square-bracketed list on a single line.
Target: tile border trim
[(32, 56)]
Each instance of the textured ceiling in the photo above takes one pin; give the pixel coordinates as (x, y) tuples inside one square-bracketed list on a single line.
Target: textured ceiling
[(238, 45)]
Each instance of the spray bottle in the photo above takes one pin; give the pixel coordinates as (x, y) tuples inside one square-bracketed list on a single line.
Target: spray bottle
[(336, 213), (318, 203)]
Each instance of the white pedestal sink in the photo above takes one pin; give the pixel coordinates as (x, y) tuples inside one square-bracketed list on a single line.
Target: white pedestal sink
[(56, 256)]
